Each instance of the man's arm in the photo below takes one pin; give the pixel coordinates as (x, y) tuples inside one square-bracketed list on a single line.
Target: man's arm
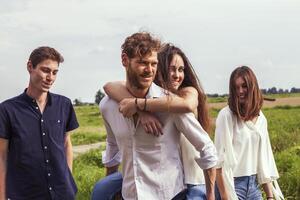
[(3, 161), (111, 157), (69, 150)]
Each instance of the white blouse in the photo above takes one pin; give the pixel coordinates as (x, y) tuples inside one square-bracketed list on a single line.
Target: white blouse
[(193, 174), (244, 149)]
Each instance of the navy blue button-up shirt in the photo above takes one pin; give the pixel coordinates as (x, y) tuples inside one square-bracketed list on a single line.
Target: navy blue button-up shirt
[(36, 163)]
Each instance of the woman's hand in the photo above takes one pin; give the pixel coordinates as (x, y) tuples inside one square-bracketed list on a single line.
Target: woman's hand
[(127, 107), (150, 123)]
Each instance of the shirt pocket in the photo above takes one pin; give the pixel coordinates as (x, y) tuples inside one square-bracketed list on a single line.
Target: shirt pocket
[(57, 130)]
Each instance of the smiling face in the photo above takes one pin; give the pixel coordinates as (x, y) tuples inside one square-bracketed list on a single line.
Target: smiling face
[(241, 89), (141, 71), (43, 75), (176, 72)]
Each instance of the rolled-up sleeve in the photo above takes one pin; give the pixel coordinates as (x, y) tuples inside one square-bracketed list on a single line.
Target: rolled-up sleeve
[(190, 127), (111, 156)]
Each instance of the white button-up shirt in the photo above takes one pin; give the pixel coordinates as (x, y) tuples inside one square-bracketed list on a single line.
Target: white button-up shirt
[(151, 166), (244, 149)]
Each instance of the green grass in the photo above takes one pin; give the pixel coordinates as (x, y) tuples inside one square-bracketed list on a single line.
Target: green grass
[(216, 99), (87, 170), (91, 128), (283, 126)]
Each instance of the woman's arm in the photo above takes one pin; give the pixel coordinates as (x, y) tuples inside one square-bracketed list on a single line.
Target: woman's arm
[(221, 184), (186, 102), (268, 190), (117, 90)]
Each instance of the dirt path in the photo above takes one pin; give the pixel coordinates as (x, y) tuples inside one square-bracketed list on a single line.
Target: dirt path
[(80, 149), (292, 101)]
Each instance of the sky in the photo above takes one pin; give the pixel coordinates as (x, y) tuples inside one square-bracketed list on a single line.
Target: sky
[(217, 37)]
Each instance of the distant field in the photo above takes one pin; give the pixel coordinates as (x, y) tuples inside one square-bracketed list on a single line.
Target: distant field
[(291, 101), (284, 130), (272, 96)]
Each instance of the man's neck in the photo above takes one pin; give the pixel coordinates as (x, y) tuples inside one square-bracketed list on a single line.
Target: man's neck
[(136, 92), (40, 97)]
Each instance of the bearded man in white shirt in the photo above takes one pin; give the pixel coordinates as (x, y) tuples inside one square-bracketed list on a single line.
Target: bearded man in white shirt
[(151, 166)]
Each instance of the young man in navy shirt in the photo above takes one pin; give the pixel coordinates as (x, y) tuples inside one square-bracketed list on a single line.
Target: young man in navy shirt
[(35, 147)]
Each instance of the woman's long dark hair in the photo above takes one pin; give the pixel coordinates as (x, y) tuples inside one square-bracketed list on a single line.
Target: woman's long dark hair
[(162, 79), (254, 99)]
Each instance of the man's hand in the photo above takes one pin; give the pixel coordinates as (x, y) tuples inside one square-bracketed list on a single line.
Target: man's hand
[(128, 107), (150, 123)]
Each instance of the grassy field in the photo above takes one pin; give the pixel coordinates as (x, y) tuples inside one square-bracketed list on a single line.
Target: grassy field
[(91, 127), (284, 130)]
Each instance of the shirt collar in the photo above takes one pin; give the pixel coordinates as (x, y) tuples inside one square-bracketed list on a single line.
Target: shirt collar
[(155, 91), (31, 100)]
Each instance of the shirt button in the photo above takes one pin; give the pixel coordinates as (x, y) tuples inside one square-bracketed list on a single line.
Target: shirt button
[(42, 120), (47, 161), (37, 108), (49, 174), (58, 121), (44, 134), (50, 188), (45, 147)]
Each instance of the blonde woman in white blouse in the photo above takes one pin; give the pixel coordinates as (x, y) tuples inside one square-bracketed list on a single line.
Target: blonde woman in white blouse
[(243, 144)]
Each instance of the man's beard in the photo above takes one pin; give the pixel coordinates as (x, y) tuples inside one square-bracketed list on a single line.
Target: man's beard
[(133, 78)]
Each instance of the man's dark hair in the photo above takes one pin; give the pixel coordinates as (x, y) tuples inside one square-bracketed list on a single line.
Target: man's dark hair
[(140, 44), (43, 53)]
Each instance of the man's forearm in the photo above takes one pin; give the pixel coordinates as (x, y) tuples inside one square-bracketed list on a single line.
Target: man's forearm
[(210, 178), (69, 155), (3, 164), (2, 180), (69, 152)]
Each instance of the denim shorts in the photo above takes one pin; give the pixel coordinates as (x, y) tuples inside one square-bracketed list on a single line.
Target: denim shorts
[(246, 188)]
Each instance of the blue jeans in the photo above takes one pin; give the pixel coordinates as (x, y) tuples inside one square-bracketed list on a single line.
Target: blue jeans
[(106, 188), (196, 192), (246, 188)]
